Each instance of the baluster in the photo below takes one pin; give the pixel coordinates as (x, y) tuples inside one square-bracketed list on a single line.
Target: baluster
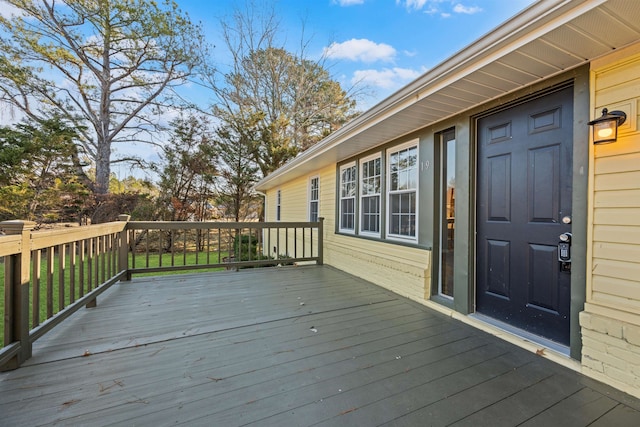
[(61, 281)]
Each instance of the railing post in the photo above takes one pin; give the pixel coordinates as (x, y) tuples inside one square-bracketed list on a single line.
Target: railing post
[(17, 292), (320, 241), (123, 254)]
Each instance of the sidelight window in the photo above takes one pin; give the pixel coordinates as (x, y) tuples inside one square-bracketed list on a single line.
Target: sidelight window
[(447, 212)]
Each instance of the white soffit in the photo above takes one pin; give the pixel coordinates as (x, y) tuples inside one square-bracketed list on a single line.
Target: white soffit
[(546, 39)]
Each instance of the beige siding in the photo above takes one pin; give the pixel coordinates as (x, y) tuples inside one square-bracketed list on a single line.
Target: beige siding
[(615, 227), (400, 269), (611, 320), (406, 271), (294, 205)]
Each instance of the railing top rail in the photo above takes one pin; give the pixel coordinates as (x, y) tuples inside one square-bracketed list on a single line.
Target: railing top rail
[(48, 238), (180, 225), (10, 245)]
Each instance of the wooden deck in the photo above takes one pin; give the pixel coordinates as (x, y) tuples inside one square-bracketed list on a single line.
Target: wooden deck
[(287, 347)]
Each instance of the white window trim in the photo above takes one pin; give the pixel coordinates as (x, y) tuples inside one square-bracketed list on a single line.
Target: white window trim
[(340, 198), (391, 150), (309, 200), (360, 195)]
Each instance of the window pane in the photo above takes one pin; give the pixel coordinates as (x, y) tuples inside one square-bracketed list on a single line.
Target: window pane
[(402, 180), (347, 214), (412, 155), (395, 203), (394, 224), (402, 162), (393, 161), (412, 178), (371, 214)]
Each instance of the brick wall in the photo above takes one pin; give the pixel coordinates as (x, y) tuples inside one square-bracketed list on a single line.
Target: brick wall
[(611, 351)]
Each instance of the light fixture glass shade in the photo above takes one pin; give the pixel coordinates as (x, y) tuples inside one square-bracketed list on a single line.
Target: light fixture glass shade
[(605, 132), (605, 127)]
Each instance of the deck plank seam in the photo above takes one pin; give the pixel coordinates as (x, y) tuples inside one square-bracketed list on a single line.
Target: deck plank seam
[(175, 338)]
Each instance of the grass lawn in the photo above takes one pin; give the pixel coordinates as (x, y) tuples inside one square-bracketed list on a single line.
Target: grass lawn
[(154, 261)]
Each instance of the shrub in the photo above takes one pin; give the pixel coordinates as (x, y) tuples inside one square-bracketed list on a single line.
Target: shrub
[(245, 248)]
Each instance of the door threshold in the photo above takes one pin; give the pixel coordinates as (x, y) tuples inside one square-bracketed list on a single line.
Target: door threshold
[(548, 349), (521, 333)]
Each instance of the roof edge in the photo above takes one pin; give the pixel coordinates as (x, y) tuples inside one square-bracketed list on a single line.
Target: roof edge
[(512, 32)]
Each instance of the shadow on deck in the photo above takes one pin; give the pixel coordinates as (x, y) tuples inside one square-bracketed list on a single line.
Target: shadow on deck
[(289, 346)]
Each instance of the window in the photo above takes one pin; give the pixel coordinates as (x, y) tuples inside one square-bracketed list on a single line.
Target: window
[(278, 200), (402, 178), (348, 197), (447, 212), (314, 198), (370, 187)]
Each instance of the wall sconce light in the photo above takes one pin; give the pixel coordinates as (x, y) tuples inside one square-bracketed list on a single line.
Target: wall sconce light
[(605, 127)]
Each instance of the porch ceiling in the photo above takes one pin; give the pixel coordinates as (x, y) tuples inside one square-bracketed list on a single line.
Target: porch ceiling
[(548, 38)]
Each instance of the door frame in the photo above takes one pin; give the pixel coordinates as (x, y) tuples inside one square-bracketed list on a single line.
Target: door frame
[(579, 79)]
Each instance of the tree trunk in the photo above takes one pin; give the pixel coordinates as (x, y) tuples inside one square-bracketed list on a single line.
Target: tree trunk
[(79, 170), (103, 168)]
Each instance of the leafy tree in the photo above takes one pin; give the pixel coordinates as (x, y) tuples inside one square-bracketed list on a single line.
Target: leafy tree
[(38, 179), (131, 184), (237, 171), (187, 171), (133, 196), (295, 98), (108, 66)]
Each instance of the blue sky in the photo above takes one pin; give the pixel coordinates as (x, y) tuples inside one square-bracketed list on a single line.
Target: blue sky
[(377, 45), (381, 44)]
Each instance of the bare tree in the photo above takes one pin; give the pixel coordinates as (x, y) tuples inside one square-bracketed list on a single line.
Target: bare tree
[(295, 98), (107, 66)]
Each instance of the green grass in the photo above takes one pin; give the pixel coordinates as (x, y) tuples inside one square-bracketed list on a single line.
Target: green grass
[(178, 260), (154, 261)]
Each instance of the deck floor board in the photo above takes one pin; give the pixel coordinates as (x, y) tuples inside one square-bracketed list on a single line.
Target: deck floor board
[(289, 346)]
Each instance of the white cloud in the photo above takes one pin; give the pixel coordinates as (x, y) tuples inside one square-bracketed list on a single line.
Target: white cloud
[(361, 50), (469, 10), (432, 7), (431, 10), (388, 78), (412, 4), (348, 2)]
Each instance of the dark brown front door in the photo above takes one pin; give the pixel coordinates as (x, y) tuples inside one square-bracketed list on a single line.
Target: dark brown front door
[(524, 192)]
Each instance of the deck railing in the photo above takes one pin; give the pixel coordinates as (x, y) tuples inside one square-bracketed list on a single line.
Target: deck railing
[(48, 275)]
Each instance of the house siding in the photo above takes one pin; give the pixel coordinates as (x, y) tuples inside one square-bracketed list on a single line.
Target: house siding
[(604, 315), (611, 320), (401, 269)]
